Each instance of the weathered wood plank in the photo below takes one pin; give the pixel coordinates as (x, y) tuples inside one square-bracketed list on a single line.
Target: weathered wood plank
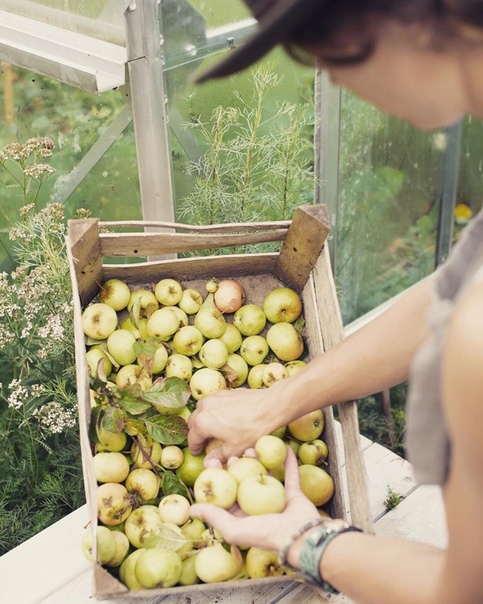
[(83, 243), (227, 227)]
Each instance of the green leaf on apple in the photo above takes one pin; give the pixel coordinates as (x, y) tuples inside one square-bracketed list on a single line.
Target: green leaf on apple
[(133, 427), (172, 485), (167, 537), (113, 420), (299, 324), (95, 425), (134, 405), (167, 429)]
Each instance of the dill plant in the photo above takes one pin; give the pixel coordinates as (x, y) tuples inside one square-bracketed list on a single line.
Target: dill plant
[(258, 159), (39, 446)]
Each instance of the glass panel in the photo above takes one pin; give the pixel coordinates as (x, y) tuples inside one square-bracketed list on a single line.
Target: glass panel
[(102, 19), (389, 201)]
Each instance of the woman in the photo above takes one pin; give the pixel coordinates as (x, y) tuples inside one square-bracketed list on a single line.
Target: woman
[(421, 60)]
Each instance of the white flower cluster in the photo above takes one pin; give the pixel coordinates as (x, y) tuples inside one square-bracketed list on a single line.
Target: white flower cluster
[(55, 418), (19, 152), (38, 170), (18, 394)]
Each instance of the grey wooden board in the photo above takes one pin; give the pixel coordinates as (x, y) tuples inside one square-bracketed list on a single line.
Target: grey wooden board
[(58, 572)]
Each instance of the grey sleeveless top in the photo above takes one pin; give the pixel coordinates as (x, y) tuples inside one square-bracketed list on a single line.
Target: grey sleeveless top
[(427, 443)]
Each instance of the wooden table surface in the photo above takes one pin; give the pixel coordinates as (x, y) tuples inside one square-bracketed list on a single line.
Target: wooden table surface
[(50, 567)]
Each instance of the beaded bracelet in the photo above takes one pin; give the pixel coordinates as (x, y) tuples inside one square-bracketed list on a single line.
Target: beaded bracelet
[(282, 556)]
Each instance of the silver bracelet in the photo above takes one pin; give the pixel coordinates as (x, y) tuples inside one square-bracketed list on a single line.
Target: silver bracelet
[(282, 556)]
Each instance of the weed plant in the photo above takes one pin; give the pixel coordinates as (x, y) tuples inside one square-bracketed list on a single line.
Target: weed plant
[(40, 462)]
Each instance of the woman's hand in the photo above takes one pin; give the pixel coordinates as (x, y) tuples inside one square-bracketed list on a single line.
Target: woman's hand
[(237, 417), (267, 531)]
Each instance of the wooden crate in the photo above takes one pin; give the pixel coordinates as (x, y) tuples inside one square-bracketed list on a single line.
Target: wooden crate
[(303, 263)]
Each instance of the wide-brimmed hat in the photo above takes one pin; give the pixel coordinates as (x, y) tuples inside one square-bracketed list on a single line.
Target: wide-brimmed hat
[(277, 20)]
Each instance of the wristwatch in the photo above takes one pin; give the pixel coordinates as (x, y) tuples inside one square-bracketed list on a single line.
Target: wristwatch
[(314, 547)]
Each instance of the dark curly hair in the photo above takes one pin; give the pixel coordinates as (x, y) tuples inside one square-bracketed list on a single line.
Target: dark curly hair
[(347, 29)]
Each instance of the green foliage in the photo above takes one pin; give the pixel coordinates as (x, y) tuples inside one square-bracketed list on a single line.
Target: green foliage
[(393, 499)]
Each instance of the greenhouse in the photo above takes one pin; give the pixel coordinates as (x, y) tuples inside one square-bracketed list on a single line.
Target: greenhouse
[(118, 169)]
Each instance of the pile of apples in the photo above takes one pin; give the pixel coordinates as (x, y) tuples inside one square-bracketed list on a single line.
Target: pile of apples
[(152, 353)]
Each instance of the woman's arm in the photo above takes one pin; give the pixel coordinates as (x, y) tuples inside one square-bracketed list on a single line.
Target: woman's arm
[(374, 358)]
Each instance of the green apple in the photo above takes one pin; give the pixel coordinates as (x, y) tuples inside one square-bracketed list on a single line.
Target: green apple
[(263, 563), (246, 466), (174, 508), (255, 376), (113, 504), (211, 322), (285, 341), (249, 319), (111, 441), (313, 452), (162, 324), (126, 571), (191, 301), (294, 366), (191, 467), (316, 484), (95, 356), (143, 483), (142, 524), (262, 494), (282, 305), (122, 548), (232, 338), (273, 372), (205, 382), (133, 374), (116, 293), (193, 531), (129, 325), (188, 571), (179, 365), (240, 368), (110, 466), (214, 563), (147, 455), (99, 320), (120, 345), (142, 302), (216, 486), (171, 457), (214, 354), (158, 567), (182, 316), (188, 340), (280, 432), (271, 451), (254, 349), (168, 292), (157, 362), (308, 427), (106, 544)]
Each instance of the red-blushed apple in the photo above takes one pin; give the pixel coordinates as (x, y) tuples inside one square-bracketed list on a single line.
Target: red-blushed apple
[(174, 508), (113, 503), (171, 457), (316, 484), (168, 291), (262, 563), (158, 567), (313, 452), (214, 563), (216, 486), (254, 349), (261, 495), (232, 338), (116, 293), (249, 319), (143, 483), (106, 544), (308, 427), (273, 372), (229, 295), (206, 381), (120, 345), (210, 321), (143, 524), (191, 467), (282, 304), (110, 466), (122, 548), (271, 451), (162, 324), (239, 367), (99, 321), (188, 340), (246, 466), (213, 354), (285, 341)]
